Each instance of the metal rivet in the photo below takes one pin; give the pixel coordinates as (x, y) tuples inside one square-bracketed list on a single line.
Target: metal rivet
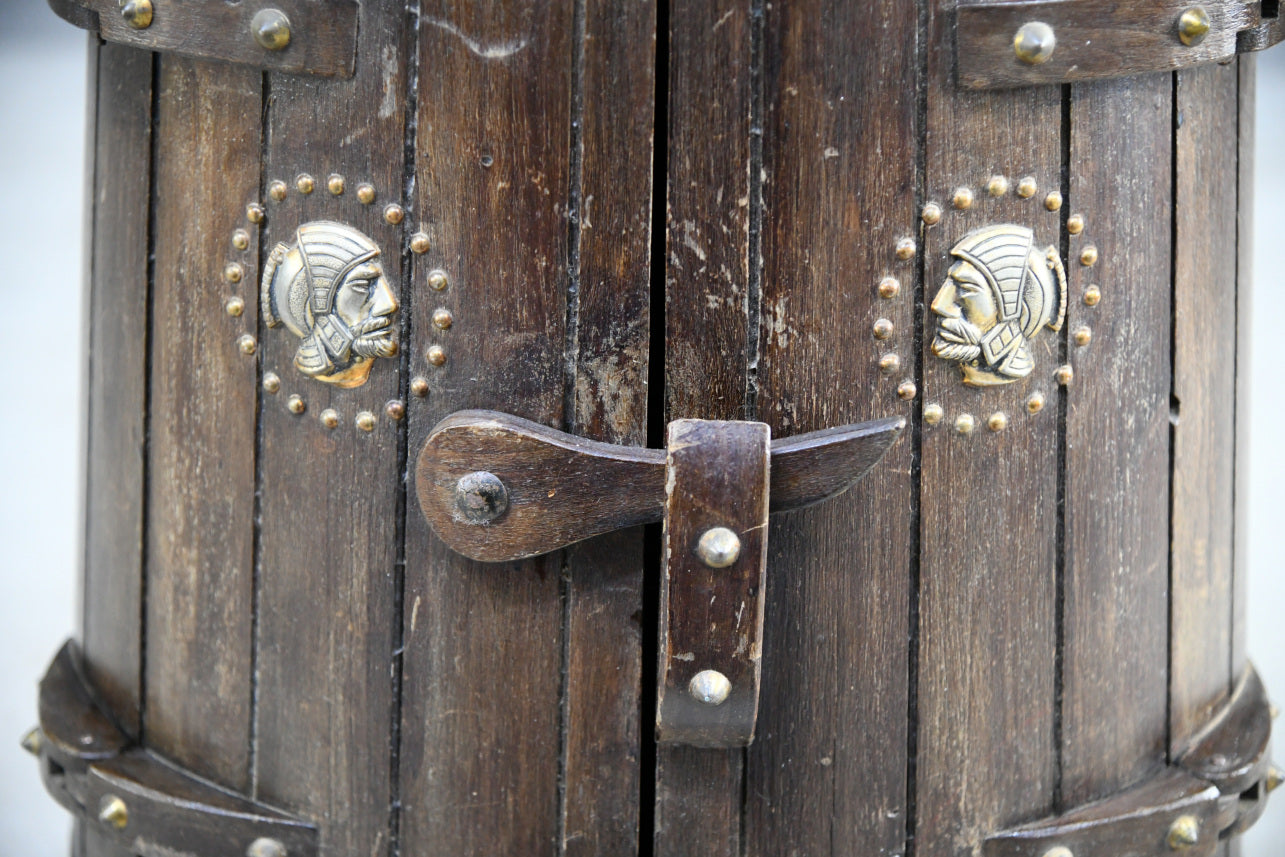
[(998, 421), (437, 280), (1035, 403), (1089, 256), (113, 812), (241, 239), (1274, 711), (419, 386), (933, 413), (137, 13), (1083, 336), (393, 213), (419, 243), (718, 547), (1059, 851), (246, 343), (1092, 295), (271, 29), (330, 418), (365, 421), (335, 184), (962, 198), (305, 183), (931, 214), (1075, 224), (1053, 201), (234, 306), (997, 186), (1027, 187), (1034, 42), (277, 190), (882, 329), (265, 847), (1193, 26), (907, 390), (435, 355), (365, 193), (295, 404), (396, 409), (33, 741), (271, 383), (1064, 375), (889, 363), (710, 687), (1184, 832), (233, 273), (442, 318), (254, 212), (1271, 782), (964, 424), (906, 249), (888, 287), (481, 497)]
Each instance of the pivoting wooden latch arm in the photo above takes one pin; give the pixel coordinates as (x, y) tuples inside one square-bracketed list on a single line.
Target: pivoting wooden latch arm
[(496, 488)]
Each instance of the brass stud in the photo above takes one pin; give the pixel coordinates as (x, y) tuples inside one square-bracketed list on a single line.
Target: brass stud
[(113, 812), (1089, 256), (907, 390), (710, 687), (393, 213), (34, 741), (396, 409), (1184, 832), (335, 184), (1058, 851), (1035, 402), (365, 192), (330, 418), (1075, 224), (962, 198), (882, 329), (271, 382), (271, 29), (718, 547), (265, 847), (888, 287), (295, 404), (305, 183), (235, 306), (1027, 187), (419, 386), (437, 280), (442, 318), (889, 363), (997, 186), (933, 413), (365, 421), (1064, 375), (1053, 201), (233, 272), (1092, 295), (906, 249), (1271, 783), (277, 190), (998, 421), (1193, 26), (435, 355), (964, 424), (931, 214), (246, 343), (1083, 336), (419, 243), (137, 13), (1034, 42), (254, 212), (241, 239)]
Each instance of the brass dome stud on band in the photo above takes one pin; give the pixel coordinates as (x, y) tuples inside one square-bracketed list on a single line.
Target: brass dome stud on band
[(295, 404), (882, 329), (419, 243), (1035, 403), (419, 386), (1053, 201), (997, 186), (335, 184), (906, 249), (437, 280), (393, 213), (933, 413), (137, 13), (1034, 42), (964, 424), (962, 199), (718, 547), (365, 192), (241, 239), (234, 306), (435, 355), (365, 421), (1183, 833), (1064, 375), (1027, 187), (330, 418), (888, 287), (1058, 851), (113, 812), (265, 847), (931, 214), (271, 29), (305, 183), (271, 382), (907, 390), (889, 364), (1193, 26), (998, 421), (442, 318), (1092, 296), (247, 344), (1075, 224), (710, 687), (396, 409), (277, 190), (254, 212)]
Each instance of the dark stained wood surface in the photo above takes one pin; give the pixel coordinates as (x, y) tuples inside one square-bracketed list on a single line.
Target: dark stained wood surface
[(1244, 455)]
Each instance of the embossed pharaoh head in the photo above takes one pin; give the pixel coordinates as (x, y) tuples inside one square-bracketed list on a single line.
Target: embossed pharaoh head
[(328, 289), (998, 295)]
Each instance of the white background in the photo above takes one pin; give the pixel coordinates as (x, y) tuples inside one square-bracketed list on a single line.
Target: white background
[(42, 134)]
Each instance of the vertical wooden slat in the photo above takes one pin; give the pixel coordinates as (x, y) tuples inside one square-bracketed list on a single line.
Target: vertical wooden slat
[(989, 499), (605, 575), (707, 334), (1117, 435), (483, 642), (329, 498), (1244, 320), (1204, 387), (202, 426), (117, 318), (826, 774)]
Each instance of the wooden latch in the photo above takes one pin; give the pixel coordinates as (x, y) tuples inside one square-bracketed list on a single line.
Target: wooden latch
[(300, 36), (1002, 43), (496, 488)]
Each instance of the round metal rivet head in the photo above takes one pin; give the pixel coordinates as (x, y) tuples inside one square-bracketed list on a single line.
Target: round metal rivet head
[(435, 355), (882, 328), (396, 409), (254, 212), (419, 386), (137, 13), (889, 364), (437, 280), (933, 413), (907, 390), (1035, 403), (271, 383), (234, 306), (1092, 296), (233, 273), (998, 421), (335, 184), (964, 424), (246, 343), (419, 243), (997, 186), (1193, 26), (271, 29), (718, 547), (1271, 782), (365, 193), (305, 183), (931, 214), (888, 287), (265, 847), (480, 497), (1064, 375), (295, 404), (1053, 201), (962, 198), (113, 812), (393, 213), (1034, 42), (906, 249), (1027, 187), (442, 318), (365, 421), (710, 687), (1075, 224), (1059, 851), (277, 190), (1083, 336), (33, 741), (1184, 832), (1089, 256), (330, 418), (241, 239)]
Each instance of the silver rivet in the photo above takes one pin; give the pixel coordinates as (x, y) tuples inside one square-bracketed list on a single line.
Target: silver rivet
[(718, 547), (480, 497), (264, 847), (710, 687), (1034, 42)]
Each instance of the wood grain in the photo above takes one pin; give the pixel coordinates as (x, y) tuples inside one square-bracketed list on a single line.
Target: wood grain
[(1244, 321)]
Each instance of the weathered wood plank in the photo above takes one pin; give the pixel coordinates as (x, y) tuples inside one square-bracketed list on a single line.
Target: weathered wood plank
[(200, 538), (827, 772), (1116, 617), (1204, 387), (484, 642), (329, 498)]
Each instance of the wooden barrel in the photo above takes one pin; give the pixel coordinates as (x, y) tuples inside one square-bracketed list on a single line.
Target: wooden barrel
[(603, 217)]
